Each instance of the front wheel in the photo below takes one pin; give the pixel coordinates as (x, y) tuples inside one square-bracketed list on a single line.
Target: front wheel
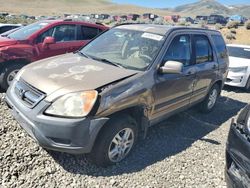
[(209, 102), (115, 142), (8, 74)]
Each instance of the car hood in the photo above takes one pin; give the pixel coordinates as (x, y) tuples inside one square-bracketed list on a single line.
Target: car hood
[(68, 73), (4, 41), (238, 62)]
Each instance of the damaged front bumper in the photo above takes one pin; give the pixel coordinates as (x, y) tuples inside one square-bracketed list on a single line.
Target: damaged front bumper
[(60, 134), (237, 172)]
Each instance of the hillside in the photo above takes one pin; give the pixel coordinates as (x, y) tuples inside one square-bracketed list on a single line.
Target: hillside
[(207, 7), (241, 9), (58, 7), (203, 7)]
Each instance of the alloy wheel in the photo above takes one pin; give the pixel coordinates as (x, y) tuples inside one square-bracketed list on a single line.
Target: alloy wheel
[(121, 145)]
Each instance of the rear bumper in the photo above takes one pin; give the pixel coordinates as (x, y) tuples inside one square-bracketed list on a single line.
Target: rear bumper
[(237, 172), (59, 134)]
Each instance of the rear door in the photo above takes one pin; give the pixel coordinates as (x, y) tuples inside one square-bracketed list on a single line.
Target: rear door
[(206, 66)]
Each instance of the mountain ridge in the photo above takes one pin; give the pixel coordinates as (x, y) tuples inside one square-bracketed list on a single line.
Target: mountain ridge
[(207, 7)]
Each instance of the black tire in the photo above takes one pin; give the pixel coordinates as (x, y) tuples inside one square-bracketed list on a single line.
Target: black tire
[(247, 87), (4, 74), (204, 106), (100, 152)]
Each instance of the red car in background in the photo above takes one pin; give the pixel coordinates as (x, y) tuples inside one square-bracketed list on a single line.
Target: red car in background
[(42, 40)]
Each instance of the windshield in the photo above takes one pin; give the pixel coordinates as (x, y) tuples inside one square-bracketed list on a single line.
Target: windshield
[(126, 48), (26, 31), (239, 52)]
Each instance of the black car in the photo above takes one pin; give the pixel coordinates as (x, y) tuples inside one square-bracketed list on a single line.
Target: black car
[(7, 27), (238, 151), (216, 19), (199, 19)]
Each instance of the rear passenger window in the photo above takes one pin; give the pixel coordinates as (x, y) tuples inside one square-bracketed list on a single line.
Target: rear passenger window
[(220, 46), (179, 50), (203, 49), (88, 32)]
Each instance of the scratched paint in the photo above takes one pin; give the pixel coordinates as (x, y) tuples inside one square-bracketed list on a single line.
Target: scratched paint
[(76, 72)]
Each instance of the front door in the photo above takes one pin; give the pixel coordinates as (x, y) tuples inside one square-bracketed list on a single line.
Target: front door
[(65, 41), (173, 91)]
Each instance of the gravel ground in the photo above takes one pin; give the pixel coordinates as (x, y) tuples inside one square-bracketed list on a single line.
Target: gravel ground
[(185, 151)]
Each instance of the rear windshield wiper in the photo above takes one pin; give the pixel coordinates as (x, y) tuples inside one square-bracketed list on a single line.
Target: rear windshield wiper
[(106, 61)]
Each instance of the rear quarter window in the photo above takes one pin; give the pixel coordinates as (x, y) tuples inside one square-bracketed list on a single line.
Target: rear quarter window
[(239, 52), (220, 46), (88, 33)]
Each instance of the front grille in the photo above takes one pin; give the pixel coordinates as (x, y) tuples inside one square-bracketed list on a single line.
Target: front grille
[(28, 94)]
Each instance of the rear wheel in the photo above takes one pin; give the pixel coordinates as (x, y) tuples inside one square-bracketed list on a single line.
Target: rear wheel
[(115, 141), (208, 104), (8, 74)]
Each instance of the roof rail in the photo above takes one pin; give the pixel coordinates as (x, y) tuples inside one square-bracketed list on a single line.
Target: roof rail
[(99, 23), (128, 23), (50, 18), (68, 20)]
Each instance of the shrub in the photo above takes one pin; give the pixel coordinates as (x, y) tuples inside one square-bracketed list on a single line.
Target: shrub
[(247, 24), (2, 20), (233, 31), (230, 36), (182, 23), (218, 26), (202, 24), (232, 24)]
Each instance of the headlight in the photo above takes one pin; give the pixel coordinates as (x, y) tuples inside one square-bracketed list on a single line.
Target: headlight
[(19, 74), (238, 69), (73, 104)]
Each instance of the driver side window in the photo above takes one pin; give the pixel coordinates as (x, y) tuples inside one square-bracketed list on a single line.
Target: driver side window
[(47, 33), (179, 50)]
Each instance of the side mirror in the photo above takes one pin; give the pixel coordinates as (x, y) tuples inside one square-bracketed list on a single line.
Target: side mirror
[(47, 41), (171, 67)]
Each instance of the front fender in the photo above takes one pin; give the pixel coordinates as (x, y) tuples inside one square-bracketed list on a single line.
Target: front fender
[(16, 52), (129, 93)]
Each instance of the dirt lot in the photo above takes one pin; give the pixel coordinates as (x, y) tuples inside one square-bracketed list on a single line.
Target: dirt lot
[(185, 151), (241, 36)]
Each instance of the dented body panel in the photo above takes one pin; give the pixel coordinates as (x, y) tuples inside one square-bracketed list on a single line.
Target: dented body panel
[(19, 51)]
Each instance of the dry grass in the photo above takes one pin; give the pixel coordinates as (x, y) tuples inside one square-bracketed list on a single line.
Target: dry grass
[(242, 36), (58, 7)]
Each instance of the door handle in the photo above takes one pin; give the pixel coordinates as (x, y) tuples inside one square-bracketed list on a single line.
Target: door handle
[(215, 66), (190, 73)]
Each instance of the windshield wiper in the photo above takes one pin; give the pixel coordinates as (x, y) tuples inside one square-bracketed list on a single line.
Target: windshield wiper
[(106, 61), (83, 54)]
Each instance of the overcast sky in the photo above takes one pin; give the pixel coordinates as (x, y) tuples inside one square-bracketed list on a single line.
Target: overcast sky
[(173, 3)]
